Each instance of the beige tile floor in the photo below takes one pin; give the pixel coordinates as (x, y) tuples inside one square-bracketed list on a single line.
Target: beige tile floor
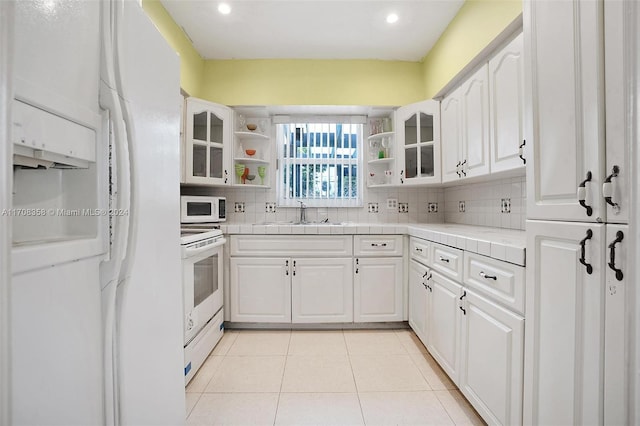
[(351, 377)]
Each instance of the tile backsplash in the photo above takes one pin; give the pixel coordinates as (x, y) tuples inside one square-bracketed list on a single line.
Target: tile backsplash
[(472, 204), (406, 205), (498, 203)]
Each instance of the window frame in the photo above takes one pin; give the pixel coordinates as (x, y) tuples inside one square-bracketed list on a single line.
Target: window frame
[(282, 189)]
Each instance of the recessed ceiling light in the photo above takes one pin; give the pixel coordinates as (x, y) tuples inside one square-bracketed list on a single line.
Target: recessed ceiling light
[(225, 9), (392, 18)]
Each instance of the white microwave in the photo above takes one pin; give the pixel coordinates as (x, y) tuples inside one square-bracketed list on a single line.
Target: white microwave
[(199, 209)]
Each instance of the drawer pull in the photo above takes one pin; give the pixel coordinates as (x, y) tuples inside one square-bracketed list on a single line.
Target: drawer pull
[(444, 259), (488, 277), (612, 255), (419, 249), (378, 244), (582, 259)]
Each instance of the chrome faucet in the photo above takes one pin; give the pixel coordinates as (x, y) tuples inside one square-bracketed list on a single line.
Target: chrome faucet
[(303, 212)]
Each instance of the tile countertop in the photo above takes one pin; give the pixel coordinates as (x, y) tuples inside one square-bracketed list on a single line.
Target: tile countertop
[(499, 243)]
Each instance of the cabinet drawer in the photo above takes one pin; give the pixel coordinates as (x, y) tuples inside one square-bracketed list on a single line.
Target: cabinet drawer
[(378, 245), (419, 250), (501, 281), (298, 245), (447, 260)]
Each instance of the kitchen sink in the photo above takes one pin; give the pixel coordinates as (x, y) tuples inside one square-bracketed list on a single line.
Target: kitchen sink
[(293, 223)]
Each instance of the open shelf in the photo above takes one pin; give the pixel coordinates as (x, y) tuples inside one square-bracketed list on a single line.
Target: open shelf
[(250, 160), (381, 160), (381, 135), (254, 135)]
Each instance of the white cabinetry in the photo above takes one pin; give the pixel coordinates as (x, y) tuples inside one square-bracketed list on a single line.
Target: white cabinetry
[(418, 302), (377, 289), (378, 279), (321, 290), (260, 289), (474, 331), (444, 323), (564, 109), (418, 129), (465, 130), (565, 308), (616, 378), (491, 364), (284, 279), (506, 100), (206, 144)]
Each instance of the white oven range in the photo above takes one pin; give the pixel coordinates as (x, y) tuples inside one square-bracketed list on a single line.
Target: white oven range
[(202, 278)]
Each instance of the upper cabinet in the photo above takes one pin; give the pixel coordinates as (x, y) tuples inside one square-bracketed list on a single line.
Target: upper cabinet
[(381, 159), (207, 140), (252, 153), (506, 103), (564, 107), (418, 129), (465, 129)]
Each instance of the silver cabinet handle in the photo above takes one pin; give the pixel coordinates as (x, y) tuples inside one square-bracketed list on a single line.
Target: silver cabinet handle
[(444, 259), (378, 244), (488, 277)]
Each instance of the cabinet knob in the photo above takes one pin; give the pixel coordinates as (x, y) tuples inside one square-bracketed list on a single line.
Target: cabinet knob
[(612, 255), (582, 259), (607, 189), (582, 194)]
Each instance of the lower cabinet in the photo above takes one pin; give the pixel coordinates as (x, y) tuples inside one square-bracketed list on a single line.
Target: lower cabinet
[(418, 293), (260, 289), (444, 323), (321, 290), (491, 359), (377, 288), (471, 331)]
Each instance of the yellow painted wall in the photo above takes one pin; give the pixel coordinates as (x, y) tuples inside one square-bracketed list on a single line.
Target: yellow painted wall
[(338, 82), (475, 25), (312, 82), (191, 63)]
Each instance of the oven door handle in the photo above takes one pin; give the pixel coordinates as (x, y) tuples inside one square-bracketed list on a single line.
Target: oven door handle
[(195, 251)]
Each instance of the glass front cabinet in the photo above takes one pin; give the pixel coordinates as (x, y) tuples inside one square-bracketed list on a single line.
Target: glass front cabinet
[(418, 135), (207, 140)]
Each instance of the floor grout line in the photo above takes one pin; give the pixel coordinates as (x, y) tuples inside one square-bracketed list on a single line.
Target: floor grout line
[(284, 369)]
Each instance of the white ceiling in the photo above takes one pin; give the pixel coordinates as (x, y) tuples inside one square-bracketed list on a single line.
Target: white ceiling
[(313, 29)]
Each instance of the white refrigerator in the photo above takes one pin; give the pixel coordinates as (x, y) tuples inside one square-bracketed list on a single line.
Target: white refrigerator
[(96, 295)]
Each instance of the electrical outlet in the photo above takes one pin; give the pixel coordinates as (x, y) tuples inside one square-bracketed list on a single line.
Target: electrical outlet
[(373, 208), (505, 205), (432, 208), (461, 206), (238, 207), (392, 203), (403, 207), (270, 207)]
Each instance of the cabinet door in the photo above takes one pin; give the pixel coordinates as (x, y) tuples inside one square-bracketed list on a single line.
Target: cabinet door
[(619, 77), (506, 100), (207, 143), (616, 374), (475, 128), (564, 109), (492, 360), (419, 147), (444, 323), (260, 289), (564, 328), (451, 122), (321, 290), (377, 289), (418, 293)]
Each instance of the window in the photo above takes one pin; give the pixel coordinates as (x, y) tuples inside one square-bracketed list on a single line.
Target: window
[(320, 162)]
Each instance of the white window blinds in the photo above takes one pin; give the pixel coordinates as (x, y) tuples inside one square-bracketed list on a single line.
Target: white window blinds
[(320, 161)]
